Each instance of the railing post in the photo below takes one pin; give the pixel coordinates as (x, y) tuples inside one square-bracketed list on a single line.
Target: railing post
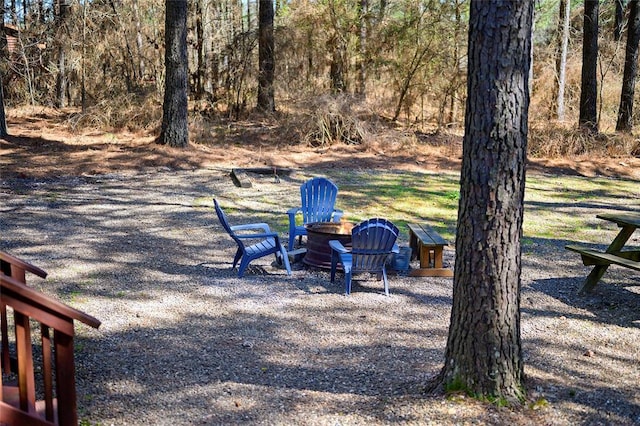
[(4, 332), (47, 374), (65, 379), (26, 379)]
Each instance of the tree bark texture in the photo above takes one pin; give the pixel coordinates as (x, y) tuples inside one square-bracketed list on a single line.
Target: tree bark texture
[(174, 118), (266, 60), (589, 85), (484, 354), (625, 112)]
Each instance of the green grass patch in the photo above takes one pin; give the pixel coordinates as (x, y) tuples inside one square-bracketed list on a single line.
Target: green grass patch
[(556, 207)]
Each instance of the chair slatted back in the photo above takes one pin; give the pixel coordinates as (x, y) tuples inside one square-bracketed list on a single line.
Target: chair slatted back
[(225, 223), (372, 242), (318, 199)]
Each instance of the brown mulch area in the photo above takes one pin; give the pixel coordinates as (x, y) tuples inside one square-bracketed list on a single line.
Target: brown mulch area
[(41, 144)]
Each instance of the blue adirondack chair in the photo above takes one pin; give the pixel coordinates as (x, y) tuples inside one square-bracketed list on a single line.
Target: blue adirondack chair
[(267, 242), (372, 242), (318, 205)]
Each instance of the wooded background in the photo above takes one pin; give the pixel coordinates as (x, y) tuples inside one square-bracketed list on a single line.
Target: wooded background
[(398, 60)]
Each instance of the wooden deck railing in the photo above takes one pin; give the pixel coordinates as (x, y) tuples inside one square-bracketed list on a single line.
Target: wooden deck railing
[(18, 405)]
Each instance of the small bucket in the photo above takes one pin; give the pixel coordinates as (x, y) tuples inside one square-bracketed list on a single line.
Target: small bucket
[(400, 261)]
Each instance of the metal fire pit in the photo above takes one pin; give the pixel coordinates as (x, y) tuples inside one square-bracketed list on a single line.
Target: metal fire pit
[(318, 236)]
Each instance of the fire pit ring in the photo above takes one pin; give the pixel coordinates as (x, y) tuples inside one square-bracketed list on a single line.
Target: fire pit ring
[(318, 236)]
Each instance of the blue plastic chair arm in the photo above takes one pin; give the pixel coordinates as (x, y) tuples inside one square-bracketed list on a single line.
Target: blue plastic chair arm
[(294, 211), (262, 226), (267, 235), (337, 246), (395, 248), (337, 215)]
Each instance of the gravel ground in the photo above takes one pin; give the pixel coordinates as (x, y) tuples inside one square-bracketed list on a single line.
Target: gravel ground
[(184, 341)]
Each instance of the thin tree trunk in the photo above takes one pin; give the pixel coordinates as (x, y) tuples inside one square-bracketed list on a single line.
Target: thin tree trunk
[(416, 63), (625, 112), (14, 15), (25, 12), (382, 10), (589, 85), (129, 52), (619, 20), (41, 17), (210, 76), (248, 16), (3, 52), (84, 55), (561, 58), (28, 73), (174, 118), (336, 71), (309, 46), (61, 79), (3, 121), (266, 60), (453, 93), (337, 46), (484, 352), (141, 64), (363, 59), (198, 88)]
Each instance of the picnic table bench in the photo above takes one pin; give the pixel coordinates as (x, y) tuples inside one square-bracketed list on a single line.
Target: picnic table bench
[(614, 255), (427, 245)]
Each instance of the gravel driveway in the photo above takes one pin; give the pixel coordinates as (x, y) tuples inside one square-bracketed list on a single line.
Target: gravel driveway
[(184, 341)]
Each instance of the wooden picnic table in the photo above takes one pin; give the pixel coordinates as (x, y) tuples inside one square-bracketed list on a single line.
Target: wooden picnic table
[(614, 255), (427, 245)]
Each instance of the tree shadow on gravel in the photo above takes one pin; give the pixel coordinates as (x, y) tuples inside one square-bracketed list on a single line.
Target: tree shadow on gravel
[(232, 355), (588, 341), (220, 370), (615, 300)]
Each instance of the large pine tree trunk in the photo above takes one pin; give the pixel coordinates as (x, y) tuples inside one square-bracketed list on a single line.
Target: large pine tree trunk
[(174, 118), (484, 355), (266, 60), (625, 112), (589, 86)]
